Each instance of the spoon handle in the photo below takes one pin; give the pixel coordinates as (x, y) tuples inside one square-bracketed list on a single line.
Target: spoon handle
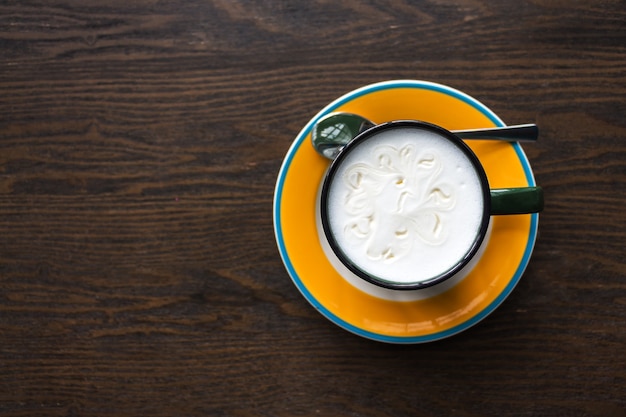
[(526, 133)]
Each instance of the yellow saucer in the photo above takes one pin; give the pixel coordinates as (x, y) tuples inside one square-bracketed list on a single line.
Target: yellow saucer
[(427, 318)]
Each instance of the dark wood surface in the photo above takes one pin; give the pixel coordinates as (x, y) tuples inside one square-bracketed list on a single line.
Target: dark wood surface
[(139, 147)]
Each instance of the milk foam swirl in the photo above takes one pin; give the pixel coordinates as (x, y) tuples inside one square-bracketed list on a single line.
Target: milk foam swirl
[(399, 198)]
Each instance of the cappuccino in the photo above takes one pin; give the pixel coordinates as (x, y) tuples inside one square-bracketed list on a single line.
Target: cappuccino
[(404, 205)]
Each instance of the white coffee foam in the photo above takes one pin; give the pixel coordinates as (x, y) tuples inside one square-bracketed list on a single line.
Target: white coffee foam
[(406, 205)]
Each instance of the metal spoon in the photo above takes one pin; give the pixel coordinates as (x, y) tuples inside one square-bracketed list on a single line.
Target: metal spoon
[(333, 131)]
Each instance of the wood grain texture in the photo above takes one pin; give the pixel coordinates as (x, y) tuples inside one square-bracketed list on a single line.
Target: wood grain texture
[(139, 147)]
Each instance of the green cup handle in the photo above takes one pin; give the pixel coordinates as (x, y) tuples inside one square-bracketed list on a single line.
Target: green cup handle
[(516, 200)]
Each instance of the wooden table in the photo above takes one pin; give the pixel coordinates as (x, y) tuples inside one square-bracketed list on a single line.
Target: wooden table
[(140, 143)]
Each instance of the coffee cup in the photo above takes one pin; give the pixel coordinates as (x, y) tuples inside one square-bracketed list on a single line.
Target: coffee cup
[(407, 204)]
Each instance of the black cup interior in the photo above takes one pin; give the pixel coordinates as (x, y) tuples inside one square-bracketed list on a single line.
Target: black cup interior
[(354, 144)]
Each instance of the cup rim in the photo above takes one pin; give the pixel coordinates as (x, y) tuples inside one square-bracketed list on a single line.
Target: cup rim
[(480, 235)]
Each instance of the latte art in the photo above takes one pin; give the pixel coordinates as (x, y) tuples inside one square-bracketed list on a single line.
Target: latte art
[(404, 205), (396, 200)]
